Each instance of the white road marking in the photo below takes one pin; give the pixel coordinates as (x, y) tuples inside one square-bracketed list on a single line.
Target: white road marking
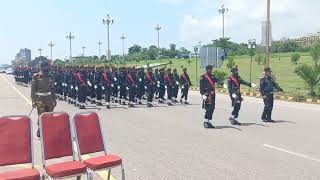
[(292, 153)]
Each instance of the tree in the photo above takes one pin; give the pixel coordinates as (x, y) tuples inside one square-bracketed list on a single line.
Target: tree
[(173, 52), (152, 52), (259, 59), (134, 49), (231, 63), (315, 54), (59, 62), (220, 75), (295, 58), (37, 61), (311, 76), (224, 43)]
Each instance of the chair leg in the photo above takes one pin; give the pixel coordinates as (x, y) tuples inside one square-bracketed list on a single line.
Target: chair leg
[(122, 172), (109, 174)]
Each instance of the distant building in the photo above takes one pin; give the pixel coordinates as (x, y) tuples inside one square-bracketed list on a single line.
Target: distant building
[(23, 56), (305, 41)]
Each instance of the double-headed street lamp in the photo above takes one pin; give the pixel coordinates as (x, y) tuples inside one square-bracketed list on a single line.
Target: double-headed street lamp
[(70, 37), (251, 45), (158, 28), (222, 11), (108, 21)]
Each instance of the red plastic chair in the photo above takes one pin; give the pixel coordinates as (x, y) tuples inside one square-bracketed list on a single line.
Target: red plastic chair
[(56, 142), (89, 139), (16, 147)]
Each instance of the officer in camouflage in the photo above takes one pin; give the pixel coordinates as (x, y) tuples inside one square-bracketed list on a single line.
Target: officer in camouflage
[(42, 91)]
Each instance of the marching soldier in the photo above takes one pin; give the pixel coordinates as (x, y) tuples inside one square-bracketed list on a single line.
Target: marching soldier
[(98, 85), (42, 91), (176, 85), (107, 85), (140, 85), (185, 84), (207, 90), (267, 86), (234, 82), (161, 85), (81, 87), (150, 86), (132, 87), (169, 86)]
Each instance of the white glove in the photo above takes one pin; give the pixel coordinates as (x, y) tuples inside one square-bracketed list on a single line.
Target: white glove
[(118, 87), (112, 85), (140, 79), (102, 87), (204, 97), (145, 87), (95, 86), (55, 84), (88, 82), (77, 88), (158, 82), (182, 87), (115, 79), (71, 87), (158, 85), (234, 96), (253, 85), (166, 87), (127, 88), (177, 83), (225, 86)]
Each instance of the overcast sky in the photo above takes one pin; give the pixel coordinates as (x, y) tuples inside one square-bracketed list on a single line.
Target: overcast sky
[(34, 23)]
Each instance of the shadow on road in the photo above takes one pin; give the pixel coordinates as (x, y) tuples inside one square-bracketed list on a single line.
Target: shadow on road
[(283, 121), (253, 124), (227, 127)]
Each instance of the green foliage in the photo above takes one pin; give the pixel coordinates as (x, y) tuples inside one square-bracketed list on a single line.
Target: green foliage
[(231, 63), (36, 61), (135, 49), (286, 46), (295, 58), (315, 54), (152, 52), (311, 76), (220, 75), (59, 62)]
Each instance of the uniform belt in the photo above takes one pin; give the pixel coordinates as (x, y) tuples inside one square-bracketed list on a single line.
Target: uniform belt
[(43, 94)]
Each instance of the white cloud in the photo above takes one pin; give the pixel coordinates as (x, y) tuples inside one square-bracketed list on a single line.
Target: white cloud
[(244, 19)]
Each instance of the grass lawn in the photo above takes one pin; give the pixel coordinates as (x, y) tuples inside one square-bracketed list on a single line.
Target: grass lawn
[(283, 71)]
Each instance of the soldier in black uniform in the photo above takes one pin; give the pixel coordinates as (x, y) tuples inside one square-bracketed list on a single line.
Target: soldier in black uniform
[(82, 87), (132, 87), (207, 90), (176, 85), (169, 84), (140, 85), (267, 86), (161, 85), (98, 85), (234, 82), (107, 85), (156, 76), (116, 87), (150, 86), (185, 84), (123, 86)]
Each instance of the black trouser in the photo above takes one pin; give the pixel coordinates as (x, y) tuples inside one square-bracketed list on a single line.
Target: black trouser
[(150, 92), (268, 107), (236, 104), (140, 92), (108, 92), (132, 93), (123, 93), (184, 93), (162, 91), (169, 92), (115, 91), (209, 106), (99, 92), (175, 91), (82, 94)]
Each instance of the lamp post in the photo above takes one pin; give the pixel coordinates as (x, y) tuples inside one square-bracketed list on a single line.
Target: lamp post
[(196, 49), (70, 37), (83, 50), (51, 45), (158, 28), (40, 50), (99, 43), (252, 45), (108, 21), (122, 37), (222, 11), (268, 23)]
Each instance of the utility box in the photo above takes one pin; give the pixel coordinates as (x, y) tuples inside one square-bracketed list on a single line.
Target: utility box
[(211, 56)]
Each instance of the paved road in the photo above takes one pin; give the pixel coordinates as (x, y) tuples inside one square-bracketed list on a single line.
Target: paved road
[(170, 142)]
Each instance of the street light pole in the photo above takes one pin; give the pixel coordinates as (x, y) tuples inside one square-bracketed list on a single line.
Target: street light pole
[(252, 44), (51, 45), (122, 37), (196, 48), (99, 43), (40, 50), (222, 11), (70, 37), (83, 49), (108, 21), (158, 28), (268, 23)]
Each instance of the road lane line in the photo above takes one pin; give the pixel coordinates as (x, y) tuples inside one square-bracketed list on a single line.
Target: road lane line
[(292, 153), (103, 174)]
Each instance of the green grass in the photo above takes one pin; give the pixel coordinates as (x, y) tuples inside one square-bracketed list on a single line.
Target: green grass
[(283, 71)]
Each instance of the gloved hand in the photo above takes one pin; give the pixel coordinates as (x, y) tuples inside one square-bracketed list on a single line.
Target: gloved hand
[(118, 87), (225, 86), (140, 79), (177, 83), (234, 96), (158, 82), (182, 87), (166, 87), (253, 85), (145, 87), (55, 84), (204, 97), (115, 79), (89, 83), (77, 88), (95, 86), (71, 87), (127, 88), (158, 85), (112, 85), (102, 88)]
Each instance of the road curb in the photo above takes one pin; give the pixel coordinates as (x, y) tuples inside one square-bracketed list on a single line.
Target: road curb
[(278, 97)]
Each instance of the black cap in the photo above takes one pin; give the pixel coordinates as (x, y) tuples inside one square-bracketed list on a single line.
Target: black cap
[(209, 67), (267, 69)]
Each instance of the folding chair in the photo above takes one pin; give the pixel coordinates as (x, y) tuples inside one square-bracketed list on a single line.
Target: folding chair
[(89, 138), (56, 142), (16, 147)]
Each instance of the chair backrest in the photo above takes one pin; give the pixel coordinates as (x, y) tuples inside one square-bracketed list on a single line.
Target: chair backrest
[(55, 136), (16, 140), (88, 133)]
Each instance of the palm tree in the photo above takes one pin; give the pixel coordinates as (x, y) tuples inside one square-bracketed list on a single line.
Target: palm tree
[(311, 76), (315, 54)]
